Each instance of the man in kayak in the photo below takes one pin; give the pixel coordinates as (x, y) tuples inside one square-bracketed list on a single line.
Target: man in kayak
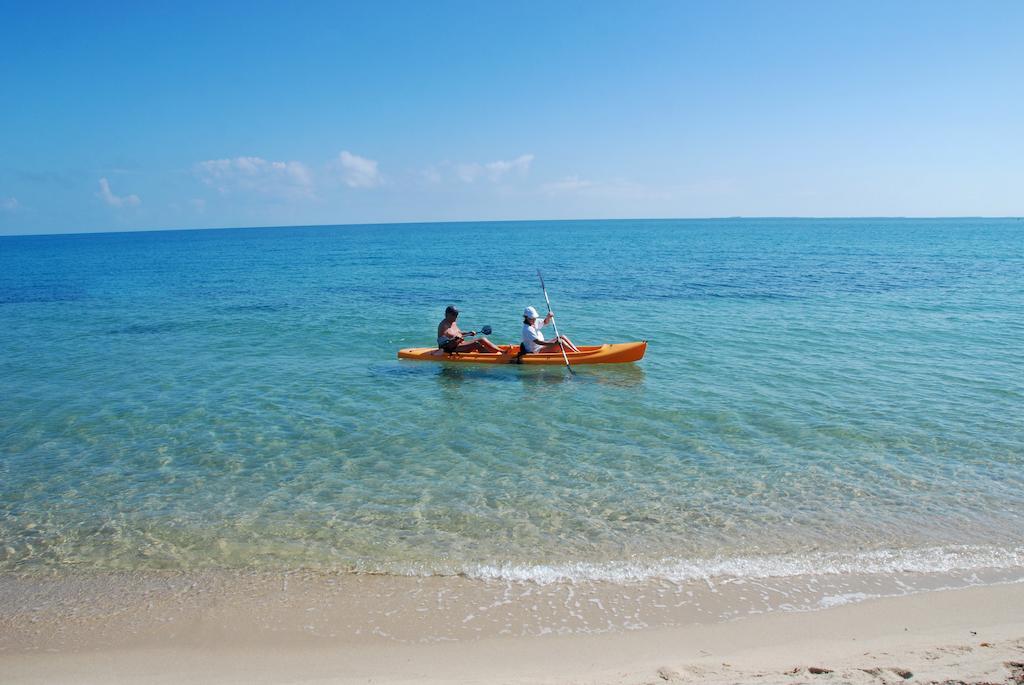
[(451, 339), (533, 338)]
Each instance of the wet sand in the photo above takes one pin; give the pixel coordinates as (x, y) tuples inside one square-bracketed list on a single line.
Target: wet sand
[(293, 628)]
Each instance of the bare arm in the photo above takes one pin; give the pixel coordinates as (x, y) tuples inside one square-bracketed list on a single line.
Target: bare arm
[(452, 331)]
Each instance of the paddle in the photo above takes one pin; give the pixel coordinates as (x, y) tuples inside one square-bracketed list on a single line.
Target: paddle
[(486, 330), (557, 336)]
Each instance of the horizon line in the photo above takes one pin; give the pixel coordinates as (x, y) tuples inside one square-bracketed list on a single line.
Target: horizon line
[(504, 221)]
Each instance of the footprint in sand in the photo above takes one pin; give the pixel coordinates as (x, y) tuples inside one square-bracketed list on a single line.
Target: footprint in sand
[(958, 649), (813, 670), (666, 673), (1016, 671)]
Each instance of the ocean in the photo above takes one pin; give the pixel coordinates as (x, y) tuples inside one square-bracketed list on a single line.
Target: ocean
[(820, 398)]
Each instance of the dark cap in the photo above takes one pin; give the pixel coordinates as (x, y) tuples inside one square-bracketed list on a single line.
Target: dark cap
[(451, 308)]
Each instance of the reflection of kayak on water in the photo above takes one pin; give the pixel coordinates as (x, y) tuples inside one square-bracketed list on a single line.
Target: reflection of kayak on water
[(615, 353)]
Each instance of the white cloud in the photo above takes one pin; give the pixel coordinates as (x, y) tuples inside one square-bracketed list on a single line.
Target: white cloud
[(569, 184), (520, 164), (618, 189), (469, 172), (359, 172), (430, 175), (9, 204), (495, 171), (290, 180), (112, 200)]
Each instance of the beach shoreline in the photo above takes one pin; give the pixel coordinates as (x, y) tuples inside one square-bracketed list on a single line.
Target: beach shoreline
[(265, 493), (965, 635)]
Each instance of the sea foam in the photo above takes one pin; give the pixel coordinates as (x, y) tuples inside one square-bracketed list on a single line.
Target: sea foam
[(930, 560)]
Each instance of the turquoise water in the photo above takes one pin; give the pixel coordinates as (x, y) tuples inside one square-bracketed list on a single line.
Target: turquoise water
[(817, 394)]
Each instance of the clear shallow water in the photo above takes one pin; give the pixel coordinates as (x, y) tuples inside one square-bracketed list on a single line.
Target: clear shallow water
[(818, 395)]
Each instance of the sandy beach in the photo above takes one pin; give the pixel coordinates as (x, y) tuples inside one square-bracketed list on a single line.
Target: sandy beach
[(973, 635)]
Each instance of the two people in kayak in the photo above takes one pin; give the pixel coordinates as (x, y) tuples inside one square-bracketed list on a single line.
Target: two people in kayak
[(451, 339)]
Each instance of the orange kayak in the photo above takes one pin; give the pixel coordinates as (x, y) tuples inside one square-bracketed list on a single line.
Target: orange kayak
[(615, 353)]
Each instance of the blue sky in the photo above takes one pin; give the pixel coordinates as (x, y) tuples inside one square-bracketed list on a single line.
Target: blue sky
[(178, 115)]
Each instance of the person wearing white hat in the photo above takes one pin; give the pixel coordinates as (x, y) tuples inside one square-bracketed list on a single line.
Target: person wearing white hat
[(533, 338)]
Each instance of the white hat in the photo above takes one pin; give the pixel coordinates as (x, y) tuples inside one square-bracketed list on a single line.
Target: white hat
[(530, 313)]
